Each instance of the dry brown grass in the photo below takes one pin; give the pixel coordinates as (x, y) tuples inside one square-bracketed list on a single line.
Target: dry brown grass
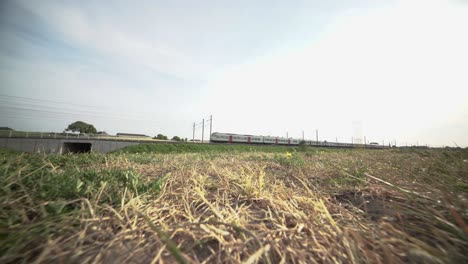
[(317, 207)]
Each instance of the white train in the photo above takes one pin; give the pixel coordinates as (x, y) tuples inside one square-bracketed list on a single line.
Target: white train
[(251, 139)]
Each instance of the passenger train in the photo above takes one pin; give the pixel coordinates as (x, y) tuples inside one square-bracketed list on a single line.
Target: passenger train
[(217, 137)]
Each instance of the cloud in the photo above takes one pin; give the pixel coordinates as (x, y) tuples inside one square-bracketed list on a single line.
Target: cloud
[(396, 68), (101, 35)]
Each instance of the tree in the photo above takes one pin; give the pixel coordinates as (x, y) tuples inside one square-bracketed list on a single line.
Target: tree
[(82, 127), (176, 138), (161, 136)]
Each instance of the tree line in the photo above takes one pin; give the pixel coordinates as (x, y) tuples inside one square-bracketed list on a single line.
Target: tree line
[(85, 128)]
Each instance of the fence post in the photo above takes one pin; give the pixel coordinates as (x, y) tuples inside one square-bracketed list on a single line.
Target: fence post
[(27, 134), (11, 132)]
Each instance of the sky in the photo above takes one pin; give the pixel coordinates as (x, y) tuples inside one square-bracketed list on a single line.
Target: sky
[(387, 70)]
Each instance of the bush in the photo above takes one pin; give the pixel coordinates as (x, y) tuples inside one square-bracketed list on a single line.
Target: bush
[(161, 137)]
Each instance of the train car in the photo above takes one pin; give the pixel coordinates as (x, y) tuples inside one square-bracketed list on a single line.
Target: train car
[(252, 139), (295, 141), (240, 138), (269, 140), (235, 138), (374, 146), (221, 137), (316, 143), (284, 141), (256, 139)]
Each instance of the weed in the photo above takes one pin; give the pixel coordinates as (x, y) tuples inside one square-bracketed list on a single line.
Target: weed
[(290, 159), (204, 148)]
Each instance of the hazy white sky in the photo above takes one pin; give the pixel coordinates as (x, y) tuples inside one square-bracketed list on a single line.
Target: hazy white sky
[(397, 68)]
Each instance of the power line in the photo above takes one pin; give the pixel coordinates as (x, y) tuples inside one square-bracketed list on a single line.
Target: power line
[(74, 113), (63, 104), (33, 107), (33, 104), (45, 101)]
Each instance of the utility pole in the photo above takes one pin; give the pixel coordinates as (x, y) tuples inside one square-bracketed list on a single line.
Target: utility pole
[(352, 140), (365, 143), (287, 135), (316, 136), (211, 124), (336, 139), (303, 135), (193, 138), (203, 130)]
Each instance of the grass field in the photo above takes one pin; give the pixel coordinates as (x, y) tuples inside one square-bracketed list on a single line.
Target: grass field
[(212, 148), (150, 204)]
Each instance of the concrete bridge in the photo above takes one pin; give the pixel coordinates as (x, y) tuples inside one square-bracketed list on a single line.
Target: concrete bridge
[(62, 146)]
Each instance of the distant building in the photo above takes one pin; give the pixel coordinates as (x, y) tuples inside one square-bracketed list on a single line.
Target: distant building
[(132, 135), (6, 128)]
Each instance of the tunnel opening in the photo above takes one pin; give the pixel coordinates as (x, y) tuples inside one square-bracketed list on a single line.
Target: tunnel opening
[(74, 147)]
